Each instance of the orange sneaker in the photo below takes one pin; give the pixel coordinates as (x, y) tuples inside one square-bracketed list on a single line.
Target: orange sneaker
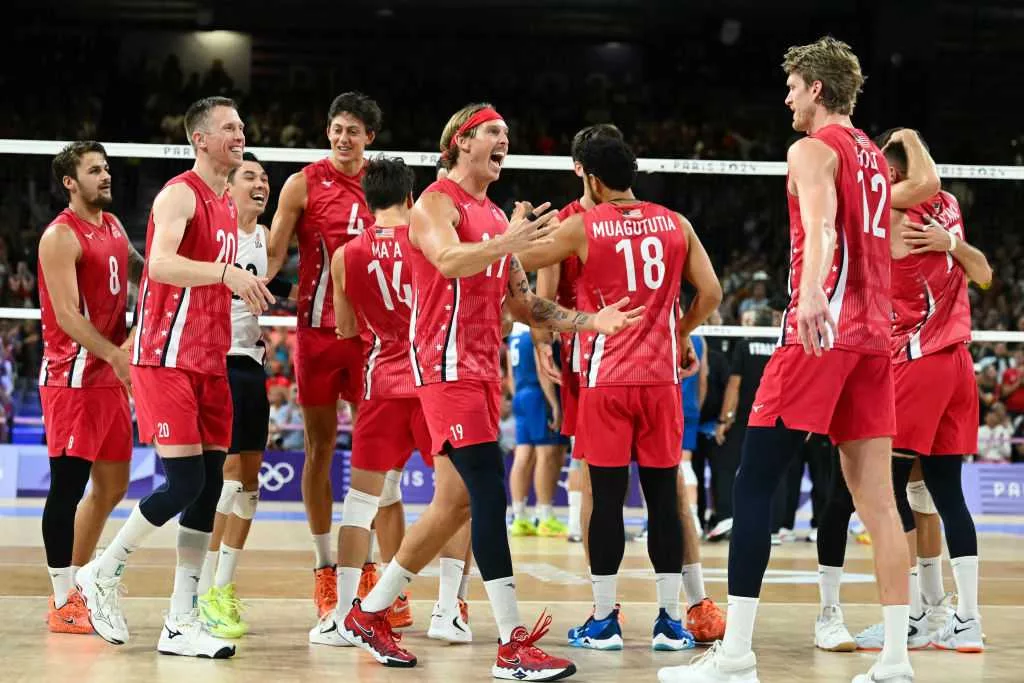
[(400, 616), (464, 610), (705, 621), (367, 580), (71, 617), (325, 592)]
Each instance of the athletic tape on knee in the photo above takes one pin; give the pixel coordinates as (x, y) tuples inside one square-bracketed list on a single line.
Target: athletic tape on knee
[(392, 492), (689, 476), (359, 509), (245, 504), (228, 493), (920, 499)]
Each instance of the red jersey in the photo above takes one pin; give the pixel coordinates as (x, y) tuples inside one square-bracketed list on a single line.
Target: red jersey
[(857, 286), (190, 327), (102, 276), (378, 282), (568, 274), (637, 251), (335, 213), (931, 309), (456, 322)]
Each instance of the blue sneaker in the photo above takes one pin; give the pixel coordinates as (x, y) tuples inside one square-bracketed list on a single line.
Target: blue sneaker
[(598, 634), (669, 634)]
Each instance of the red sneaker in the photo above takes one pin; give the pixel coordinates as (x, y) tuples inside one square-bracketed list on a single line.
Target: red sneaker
[(325, 592), (372, 632), (520, 660), (706, 621)]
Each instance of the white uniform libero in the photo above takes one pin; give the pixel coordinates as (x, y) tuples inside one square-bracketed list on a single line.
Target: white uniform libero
[(246, 335)]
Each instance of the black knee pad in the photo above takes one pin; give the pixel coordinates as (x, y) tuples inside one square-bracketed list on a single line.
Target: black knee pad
[(200, 514), (68, 478), (482, 468), (185, 480), (664, 526), (901, 468)]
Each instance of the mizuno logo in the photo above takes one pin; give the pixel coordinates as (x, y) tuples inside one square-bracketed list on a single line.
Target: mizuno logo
[(170, 633), (757, 406), (326, 183)]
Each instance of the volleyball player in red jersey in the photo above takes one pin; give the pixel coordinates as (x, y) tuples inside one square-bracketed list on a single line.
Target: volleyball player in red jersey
[(85, 262), (178, 374), (840, 382), (323, 205), (463, 268), (373, 293), (629, 400)]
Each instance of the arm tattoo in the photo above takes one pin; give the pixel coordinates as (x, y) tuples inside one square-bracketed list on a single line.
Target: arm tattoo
[(543, 312), (135, 264)]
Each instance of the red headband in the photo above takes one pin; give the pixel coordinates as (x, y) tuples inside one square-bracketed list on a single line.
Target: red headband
[(482, 116)]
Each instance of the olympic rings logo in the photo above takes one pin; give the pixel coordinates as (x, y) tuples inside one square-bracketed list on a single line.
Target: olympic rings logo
[(274, 477)]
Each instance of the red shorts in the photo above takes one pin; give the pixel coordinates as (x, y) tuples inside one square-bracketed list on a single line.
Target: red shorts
[(387, 431), (618, 424), (92, 423), (937, 404), (178, 407), (570, 395), (461, 413), (844, 394), (327, 367)]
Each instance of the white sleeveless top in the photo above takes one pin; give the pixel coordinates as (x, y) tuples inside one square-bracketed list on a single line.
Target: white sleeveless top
[(246, 335)]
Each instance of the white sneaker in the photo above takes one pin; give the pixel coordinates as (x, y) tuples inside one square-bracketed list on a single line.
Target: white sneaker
[(873, 637), (188, 636), (713, 667), (830, 632), (103, 600), (328, 631), (962, 635), (900, 673), (721, 531), (787, 535), (812, 536), (940, 613), (447, 625)]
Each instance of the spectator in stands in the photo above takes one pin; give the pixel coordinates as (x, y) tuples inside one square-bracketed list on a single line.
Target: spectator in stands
[(994, 436), (988, 387), (21, 286), (277, 376), (1011, 391), (759, 295), (288, 422)]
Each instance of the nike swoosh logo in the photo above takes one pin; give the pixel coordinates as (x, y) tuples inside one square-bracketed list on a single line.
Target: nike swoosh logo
[(455, 623), (334, 627), (368, 634), (913, 631), (958, 631), (68, 620), (513, 662)]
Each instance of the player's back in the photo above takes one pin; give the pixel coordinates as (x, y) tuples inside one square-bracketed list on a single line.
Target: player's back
[(857, 286), (457, 321), (636, 250), (521, 359), (101, 275), (190, 327), (335, 213), (931, 308), (378, 282)]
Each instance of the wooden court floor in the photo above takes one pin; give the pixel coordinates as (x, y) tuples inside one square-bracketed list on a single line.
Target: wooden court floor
[(275, 579)]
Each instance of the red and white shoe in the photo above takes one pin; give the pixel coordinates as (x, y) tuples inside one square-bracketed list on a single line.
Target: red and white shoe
[(372, 632), (520, 660)]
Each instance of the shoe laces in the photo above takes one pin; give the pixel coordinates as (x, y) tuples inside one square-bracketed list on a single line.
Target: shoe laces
[(232, 604), (110, 590), (540, 629), (391, 637), (709, 656)]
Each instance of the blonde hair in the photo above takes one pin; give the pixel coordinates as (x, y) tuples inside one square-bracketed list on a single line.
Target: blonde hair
[(832, 62), (450, 154)]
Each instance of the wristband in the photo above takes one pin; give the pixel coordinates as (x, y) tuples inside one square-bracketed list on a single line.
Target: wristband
[(223, 272), (952, 241)]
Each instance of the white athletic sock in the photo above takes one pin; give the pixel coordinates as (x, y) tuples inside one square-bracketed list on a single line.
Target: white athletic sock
[(519, 510), (668, 586), (392, 582), (502, 594), (604, 594), (545, 512), (62, 580), (916, 609), (226, 567), (464, 586), (451, 578), (371, 547), (930, 571), (207, 573), (895, 619), (192, 545), (135, 530), (693, 583), (965, 572), (322, 545), (348, 587), (829, 579), (739, 626), (74, 573), (575, 505)]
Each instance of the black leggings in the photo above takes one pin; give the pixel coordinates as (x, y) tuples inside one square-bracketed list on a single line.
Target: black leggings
[(942, 476), (482, 468), (68, 478), (834, 524), (607, 530)]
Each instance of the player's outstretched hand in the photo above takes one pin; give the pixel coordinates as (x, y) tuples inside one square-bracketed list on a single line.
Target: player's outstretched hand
[(249, 288), (612, 319), (816, 329), (524, 232), (925, 238)]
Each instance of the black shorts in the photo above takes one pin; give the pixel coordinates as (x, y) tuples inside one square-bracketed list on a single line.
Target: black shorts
[(248, 382)]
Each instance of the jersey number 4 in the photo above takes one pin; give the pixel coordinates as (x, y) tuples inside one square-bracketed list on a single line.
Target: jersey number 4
[(402, 292), (652, 252)]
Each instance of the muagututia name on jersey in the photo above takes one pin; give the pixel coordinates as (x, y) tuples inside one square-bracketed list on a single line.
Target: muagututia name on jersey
[(631, 228)]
